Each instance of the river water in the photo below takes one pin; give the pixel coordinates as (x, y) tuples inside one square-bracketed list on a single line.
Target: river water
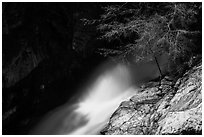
[(92, 110)]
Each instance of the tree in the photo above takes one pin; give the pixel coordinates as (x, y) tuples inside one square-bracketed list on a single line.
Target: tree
[(145, 30)]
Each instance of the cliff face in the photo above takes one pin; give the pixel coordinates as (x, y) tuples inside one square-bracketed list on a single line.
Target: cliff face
[(162, 108)]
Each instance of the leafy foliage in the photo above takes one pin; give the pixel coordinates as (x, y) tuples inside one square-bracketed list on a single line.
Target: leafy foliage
[(145, 30)]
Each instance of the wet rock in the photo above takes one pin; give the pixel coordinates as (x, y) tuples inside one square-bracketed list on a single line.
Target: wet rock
[(179, 121), (150, 84), (145, 96), (162, 109), (166, 82)]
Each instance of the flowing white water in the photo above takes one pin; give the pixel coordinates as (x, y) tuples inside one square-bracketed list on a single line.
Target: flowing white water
[(91, 113), (103, 98)]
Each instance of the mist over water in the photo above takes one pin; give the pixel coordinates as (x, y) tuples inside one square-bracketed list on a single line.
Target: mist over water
[(99, 97), (99, 100)]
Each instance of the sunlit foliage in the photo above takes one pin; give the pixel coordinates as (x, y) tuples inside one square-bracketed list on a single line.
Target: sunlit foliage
[(145, 30)]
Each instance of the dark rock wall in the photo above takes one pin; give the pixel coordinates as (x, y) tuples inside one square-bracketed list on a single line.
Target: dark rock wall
[(42, 65)]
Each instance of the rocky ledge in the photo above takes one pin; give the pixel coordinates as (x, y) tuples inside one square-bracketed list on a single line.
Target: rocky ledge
[(162, 108)]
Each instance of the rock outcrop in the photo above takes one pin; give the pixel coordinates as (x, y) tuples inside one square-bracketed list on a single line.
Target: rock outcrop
[(162, 108)]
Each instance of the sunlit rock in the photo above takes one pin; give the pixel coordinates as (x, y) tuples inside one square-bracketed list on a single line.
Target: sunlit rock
[(165, 108)]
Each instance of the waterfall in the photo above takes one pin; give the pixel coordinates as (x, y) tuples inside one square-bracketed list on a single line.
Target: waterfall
[(99, 100)]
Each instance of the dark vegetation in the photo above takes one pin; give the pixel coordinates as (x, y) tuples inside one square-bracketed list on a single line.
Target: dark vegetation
[(143, 31), (49, 49)]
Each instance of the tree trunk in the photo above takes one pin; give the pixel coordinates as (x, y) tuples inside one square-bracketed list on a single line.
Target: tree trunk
[(157, 64), (158, 67)]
